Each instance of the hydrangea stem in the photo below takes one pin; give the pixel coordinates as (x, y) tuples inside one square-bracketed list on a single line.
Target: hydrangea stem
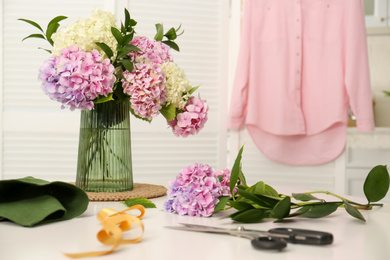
[(358, 205)]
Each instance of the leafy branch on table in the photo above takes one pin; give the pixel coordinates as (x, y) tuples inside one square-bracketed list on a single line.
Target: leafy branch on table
[(260, 201)]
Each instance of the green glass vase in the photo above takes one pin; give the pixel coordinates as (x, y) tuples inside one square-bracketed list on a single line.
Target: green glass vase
[(104, 156)]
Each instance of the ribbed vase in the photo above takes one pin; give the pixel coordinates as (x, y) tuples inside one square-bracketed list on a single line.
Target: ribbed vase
[(104, 156)]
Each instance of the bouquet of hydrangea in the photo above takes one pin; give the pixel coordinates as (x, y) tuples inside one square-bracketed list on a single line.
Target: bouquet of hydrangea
[(94, 61), (197, 190)]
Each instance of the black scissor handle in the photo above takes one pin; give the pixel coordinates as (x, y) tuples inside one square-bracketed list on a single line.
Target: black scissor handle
[(303, 236), (270, 243)]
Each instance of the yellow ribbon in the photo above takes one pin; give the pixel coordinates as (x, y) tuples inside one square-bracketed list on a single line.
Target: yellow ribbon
[(114, 223)]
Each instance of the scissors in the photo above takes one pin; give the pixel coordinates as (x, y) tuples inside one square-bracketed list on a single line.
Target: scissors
[(275, 238)]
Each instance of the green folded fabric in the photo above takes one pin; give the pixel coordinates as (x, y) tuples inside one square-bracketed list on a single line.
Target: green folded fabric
[(29, 201)]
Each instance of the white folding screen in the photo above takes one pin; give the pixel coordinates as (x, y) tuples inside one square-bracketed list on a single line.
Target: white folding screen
[(40, 139)]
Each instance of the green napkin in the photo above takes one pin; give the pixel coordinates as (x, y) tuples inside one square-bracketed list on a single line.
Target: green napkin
[(29, 201)]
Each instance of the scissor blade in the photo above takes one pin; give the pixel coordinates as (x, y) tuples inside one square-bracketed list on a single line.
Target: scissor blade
[(263, 242), (239, 229), (210, 229), (202, 229), (206, 227)]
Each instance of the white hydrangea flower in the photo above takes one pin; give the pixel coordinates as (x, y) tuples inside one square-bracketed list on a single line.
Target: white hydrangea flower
[(177, 85), (85, 32)]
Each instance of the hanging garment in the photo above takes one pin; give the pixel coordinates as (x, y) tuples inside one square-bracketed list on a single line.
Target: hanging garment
[(302, 64)]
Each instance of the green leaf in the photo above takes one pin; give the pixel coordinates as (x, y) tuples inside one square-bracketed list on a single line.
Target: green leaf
[(222, 203), (236, 170), (118, 35), (127, 18), (241, 177), (102, 99), (387, 93), (321, 210), (261, 200), (49, 51), (249, 216), (353, 211), (171, 34), (123, 29), (192, 90), (57, 19), (376, 184), (160, 32), (304, 197), (132, 23), (51, 28), (172, 44), (281, 209), (169, 112), (270, 191), (131, 47), (247, 194), (41, 36), (139, 201), (127, 38), (123, 51), (258, 188), (105, 48), (128, 65), (240, 205), (300, 211), (32, 23)]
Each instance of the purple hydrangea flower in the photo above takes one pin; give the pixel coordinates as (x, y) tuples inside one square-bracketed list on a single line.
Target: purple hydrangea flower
[(192, 119), (194, 192), (152, 51), (146, 88), (76, 78)]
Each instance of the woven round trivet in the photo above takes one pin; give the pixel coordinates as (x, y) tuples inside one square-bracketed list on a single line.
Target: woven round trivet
[(140, 190)]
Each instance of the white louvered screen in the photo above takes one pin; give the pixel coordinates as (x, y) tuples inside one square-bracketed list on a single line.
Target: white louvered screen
[(40, 139)]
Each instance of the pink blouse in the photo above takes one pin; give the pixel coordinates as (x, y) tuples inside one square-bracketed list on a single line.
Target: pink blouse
[(302, 65)]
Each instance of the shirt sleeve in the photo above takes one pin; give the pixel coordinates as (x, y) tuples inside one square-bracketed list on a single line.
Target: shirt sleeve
[(357, 76), (239, 97)]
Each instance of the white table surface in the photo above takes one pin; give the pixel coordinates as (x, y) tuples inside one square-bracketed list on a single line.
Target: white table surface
[(353, 239)]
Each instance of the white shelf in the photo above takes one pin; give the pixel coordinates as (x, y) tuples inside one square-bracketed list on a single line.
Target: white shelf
[(364, 150)]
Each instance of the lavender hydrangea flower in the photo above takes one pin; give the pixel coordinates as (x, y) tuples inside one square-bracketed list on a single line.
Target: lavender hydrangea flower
[(76, 78), (145, 86), (152, 51), (194, 192), (192, 119)]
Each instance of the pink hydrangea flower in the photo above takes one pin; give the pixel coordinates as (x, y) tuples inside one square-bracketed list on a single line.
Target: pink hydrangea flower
[(192, 119), (76, 78), (194, 192), (146, 88), (152, 51), (225, 182)]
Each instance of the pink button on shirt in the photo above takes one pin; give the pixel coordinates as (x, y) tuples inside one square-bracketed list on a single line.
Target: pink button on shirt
[(302, 64)]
